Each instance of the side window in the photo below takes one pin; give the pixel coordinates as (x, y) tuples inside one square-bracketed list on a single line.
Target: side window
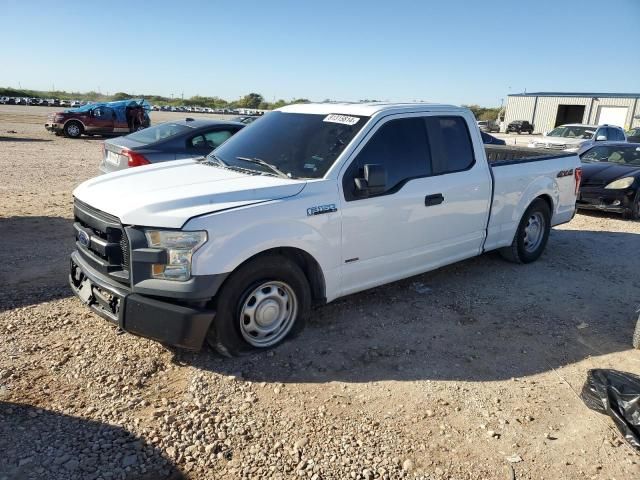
[(217, 138), (597, 154), (401, 147), (197, 142), (451, 148), (105, 113), (602, 131)]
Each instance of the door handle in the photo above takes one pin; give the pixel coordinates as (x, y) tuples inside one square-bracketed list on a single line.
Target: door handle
[(435, 199)]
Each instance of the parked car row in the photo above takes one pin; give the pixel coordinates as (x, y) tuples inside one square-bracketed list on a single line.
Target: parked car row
[(42, 102), (221, 111)]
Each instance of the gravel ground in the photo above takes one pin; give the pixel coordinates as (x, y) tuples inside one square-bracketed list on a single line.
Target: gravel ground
[(468, 372)]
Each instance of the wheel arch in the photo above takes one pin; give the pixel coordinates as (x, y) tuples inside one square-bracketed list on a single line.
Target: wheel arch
[(307, 263), (84, 128)]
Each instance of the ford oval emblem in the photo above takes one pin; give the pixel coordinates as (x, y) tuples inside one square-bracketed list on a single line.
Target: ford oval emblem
[(83, 238)]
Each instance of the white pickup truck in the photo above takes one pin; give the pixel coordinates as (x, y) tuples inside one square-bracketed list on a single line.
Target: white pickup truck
[(308, 204)]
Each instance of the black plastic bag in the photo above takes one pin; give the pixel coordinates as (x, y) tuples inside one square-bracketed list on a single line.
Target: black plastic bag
[(616, 394)]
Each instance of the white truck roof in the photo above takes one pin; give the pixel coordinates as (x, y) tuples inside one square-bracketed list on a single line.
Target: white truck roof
[(365, 109)]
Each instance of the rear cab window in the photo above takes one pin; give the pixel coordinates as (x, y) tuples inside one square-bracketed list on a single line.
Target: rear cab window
[(412, 148)]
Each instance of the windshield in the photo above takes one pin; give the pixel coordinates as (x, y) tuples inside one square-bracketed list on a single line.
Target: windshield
[(157, 133), (572, 132), (620, 155), (299, 145)]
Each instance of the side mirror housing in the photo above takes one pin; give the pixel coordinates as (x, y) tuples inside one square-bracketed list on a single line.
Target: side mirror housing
[(601, 138), (373, 182)]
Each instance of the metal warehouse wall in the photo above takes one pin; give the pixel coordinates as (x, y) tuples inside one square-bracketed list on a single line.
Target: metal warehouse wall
[(546, 109)]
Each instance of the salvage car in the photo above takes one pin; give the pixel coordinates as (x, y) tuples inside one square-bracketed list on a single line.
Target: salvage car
[(111, 118), (488, 126), (309, 204), (611, 179), (578, 137), (167, 141), (520, 126)]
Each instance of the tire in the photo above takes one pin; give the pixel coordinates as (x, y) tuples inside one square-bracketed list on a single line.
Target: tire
[(635, 340), (634, 212), (281, 283), (522, 249), (72, 129)]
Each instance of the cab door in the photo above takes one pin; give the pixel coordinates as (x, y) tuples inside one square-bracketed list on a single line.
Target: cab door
[(102, 119), (434, 207)]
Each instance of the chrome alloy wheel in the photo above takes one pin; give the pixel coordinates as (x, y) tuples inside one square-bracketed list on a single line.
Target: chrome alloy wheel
[(534, 232), (268, 313), (73, 130)]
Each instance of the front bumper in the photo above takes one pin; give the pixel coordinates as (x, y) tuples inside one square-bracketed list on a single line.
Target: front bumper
[(617, 201), (171, 321), (53, 127)]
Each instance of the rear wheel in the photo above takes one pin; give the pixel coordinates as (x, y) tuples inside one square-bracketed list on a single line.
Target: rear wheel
[(73, 129), (532, 234), (261, 304)]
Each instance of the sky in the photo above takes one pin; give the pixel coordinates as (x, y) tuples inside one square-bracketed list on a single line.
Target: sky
[(449, 51)]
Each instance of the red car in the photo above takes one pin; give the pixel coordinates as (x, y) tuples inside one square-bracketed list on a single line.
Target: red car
[(113, 118)]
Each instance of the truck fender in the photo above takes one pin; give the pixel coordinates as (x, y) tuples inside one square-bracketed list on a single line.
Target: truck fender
[(245, 244), (84, 127), (540, 187)]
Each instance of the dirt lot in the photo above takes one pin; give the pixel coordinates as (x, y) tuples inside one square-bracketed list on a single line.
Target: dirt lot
[(469, 372)]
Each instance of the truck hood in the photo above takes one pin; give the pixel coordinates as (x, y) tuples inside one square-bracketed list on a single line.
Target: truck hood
[(168, 194)]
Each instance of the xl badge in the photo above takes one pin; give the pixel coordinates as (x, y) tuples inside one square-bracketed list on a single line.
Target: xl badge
[(320, 209), (83, 238)]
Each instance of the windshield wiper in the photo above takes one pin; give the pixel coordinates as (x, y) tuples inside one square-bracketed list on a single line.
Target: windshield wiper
[(259, 161), (217, 159)]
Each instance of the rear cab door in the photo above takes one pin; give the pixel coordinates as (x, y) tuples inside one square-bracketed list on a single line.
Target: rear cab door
[(101, 120), (435, 208)]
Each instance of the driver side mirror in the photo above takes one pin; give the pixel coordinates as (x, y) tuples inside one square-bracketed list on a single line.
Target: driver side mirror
[(373, 182), (601, 138)]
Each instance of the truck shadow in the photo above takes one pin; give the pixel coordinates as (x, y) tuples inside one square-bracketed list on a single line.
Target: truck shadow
[(46, 444), (22, 139), (34, 259), (480, 320)]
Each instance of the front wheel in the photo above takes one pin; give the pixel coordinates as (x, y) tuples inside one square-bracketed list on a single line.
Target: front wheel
[(73, 129), (634, 212), (262, 303), (532, 234)]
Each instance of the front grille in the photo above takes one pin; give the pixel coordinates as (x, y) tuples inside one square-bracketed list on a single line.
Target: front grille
[(102, 241), (551, 146)]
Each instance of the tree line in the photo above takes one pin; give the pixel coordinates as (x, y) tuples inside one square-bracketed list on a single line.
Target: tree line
[(251, 100)]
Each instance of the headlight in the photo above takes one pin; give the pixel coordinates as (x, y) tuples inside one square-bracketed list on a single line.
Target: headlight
[(180, 247), (572, 148), (620, 183)]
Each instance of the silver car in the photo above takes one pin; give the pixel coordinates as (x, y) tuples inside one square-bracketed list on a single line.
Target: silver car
[(488, 126), (183, 139)]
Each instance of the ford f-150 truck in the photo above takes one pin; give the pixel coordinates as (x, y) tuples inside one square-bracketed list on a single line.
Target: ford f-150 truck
[(311, 203)]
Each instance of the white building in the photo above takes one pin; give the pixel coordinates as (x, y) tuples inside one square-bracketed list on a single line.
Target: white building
[(547, 110)]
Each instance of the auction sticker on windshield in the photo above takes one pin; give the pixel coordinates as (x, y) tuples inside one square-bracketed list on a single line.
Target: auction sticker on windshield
[(344, 119)]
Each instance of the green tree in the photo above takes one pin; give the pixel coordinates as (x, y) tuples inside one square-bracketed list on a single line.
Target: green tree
[(253, 100), (121, 96)]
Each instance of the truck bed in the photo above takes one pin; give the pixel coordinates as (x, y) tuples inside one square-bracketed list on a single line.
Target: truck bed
[(498, 155)]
